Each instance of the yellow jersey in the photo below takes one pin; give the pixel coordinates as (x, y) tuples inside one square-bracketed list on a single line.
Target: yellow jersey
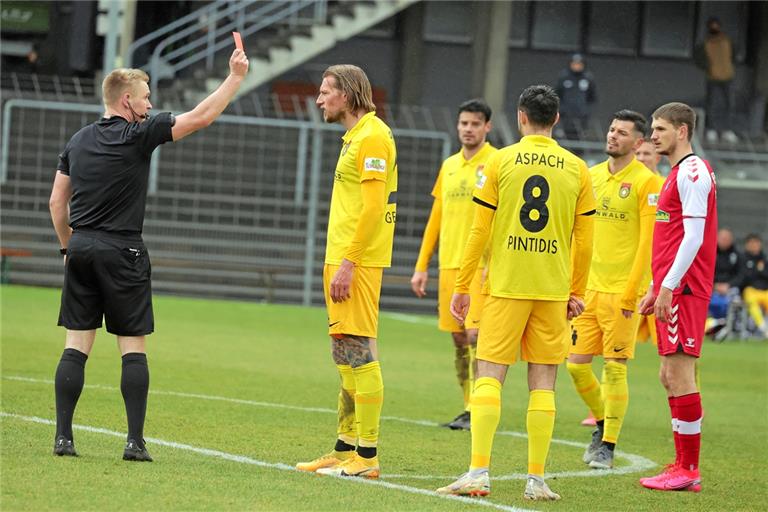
[(454, 186), (622, 199), (537, 189), (368, 153)]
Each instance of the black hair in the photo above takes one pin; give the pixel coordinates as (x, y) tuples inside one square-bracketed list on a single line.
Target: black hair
[(753, 236), (638, 120), (540, 103), (478, 106)]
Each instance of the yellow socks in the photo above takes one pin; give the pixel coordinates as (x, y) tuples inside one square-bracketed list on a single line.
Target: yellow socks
[(369, 397), (540, 423), (346, 429), (616, 394), (486, 411), (588, 387)]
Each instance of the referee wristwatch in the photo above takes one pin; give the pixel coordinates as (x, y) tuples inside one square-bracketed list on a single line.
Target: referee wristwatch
[(63, 251)]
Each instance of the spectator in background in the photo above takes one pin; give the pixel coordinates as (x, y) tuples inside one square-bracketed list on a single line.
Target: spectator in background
[(755, 281), (727, 275), (715, 56), (577, 92)]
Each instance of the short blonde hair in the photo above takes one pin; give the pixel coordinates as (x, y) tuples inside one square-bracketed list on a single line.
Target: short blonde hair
[(352, 81), (119, 81), (677, 114)]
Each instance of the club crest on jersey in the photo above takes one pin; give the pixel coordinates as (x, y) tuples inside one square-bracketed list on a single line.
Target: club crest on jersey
[(624, 190), (344, 148), (662, 216), (375, 164)]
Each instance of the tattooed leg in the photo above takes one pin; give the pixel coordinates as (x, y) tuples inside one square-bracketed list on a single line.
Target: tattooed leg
[(359, 350), (337, 351)]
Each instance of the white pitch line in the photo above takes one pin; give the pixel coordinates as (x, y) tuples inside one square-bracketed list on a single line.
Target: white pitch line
[(243, 459), (637, 462), (411, 319)]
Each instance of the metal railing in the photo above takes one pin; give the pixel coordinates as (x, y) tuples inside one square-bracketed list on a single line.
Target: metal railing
[(239, 209), (201, 34)]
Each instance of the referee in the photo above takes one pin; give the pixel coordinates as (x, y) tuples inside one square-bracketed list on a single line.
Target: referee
[(97, 207)]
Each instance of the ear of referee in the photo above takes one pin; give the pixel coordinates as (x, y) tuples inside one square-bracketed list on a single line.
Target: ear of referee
[(97, 206)]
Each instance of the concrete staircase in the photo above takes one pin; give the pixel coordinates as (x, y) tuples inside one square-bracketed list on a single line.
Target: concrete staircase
[(319, 38)]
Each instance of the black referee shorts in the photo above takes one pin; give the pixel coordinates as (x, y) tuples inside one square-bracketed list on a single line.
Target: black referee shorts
[(107, 276)]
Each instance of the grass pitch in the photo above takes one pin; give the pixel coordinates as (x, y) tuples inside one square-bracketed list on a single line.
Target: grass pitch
[(241, 391)]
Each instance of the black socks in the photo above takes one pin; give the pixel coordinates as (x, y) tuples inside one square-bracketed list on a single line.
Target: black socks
[(69, 380), (134, 385)]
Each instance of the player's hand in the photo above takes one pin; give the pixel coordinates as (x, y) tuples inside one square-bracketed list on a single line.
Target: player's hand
[(663, 305), (627, 313), (460, 307), (341, 284), (238, 63), (575, 307), (647, 303), (419, 283)]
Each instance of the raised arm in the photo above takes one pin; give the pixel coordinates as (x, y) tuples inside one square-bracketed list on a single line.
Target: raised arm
[(211, 107)]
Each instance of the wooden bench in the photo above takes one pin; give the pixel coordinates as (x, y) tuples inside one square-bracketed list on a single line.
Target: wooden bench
[(5, 261)]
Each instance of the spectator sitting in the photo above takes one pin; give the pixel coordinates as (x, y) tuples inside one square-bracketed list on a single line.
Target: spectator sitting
[(755, 281), (727, 280)]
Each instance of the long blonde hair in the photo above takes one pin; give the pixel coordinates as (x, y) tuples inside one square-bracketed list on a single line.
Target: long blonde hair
[(352, 81), (119, 81)]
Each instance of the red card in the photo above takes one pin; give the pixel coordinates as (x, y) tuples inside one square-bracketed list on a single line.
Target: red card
[(238, 41)]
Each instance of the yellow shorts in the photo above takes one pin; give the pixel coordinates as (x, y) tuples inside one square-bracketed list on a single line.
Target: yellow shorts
[(536, 328), (602, 329), (358, 315), (647, 329), (446, 284)]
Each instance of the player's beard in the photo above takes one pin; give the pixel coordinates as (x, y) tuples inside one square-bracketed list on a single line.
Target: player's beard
[(615, 153), (331, 118), (472, 144)]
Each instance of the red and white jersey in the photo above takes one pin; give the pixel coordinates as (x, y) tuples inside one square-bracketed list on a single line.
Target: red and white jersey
[(689, 191)]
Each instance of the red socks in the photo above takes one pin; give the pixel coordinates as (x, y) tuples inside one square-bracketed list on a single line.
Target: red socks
[(686, 427)]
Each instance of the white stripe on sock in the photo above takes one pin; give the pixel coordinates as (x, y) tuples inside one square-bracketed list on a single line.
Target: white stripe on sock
[(688, 428)]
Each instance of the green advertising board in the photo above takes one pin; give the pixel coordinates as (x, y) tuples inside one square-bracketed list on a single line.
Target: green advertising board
[(17, 16)]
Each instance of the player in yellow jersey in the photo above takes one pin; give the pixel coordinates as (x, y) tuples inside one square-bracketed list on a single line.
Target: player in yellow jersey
[(535, 202), (646, 154), (361, 227), (449, 222), (626, 193)]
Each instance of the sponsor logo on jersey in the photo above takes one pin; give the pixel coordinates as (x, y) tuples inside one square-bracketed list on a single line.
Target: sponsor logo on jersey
[(375, 164), (624, 190), (662, 216)]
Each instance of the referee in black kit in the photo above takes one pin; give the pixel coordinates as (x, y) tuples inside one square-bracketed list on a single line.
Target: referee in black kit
[(97, 206)]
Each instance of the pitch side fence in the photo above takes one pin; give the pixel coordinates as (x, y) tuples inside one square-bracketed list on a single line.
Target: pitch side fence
[(238, 210)]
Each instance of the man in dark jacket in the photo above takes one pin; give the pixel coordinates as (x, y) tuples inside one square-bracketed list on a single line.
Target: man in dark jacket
[(577, 92)]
